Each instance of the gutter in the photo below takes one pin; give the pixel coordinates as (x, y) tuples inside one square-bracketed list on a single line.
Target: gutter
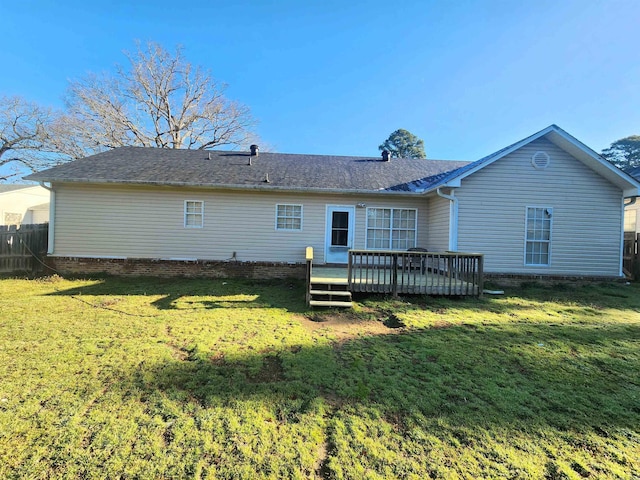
[(52, 216), (250, 187), (453, 217)]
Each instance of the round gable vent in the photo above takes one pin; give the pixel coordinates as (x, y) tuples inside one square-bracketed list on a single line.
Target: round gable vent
[(540, 160)]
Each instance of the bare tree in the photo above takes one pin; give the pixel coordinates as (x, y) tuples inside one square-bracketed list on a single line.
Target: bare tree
[(24, 134), (160, 100)]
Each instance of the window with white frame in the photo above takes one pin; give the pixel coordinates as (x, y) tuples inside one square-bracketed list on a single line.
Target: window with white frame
[(391, 228), (288, 217), (538, 236), (193, 214)]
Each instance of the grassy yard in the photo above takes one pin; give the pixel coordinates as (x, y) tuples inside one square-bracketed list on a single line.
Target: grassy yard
[(142, 378)]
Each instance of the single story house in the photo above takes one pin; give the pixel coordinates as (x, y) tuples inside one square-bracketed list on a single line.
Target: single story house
[(545, 206), (23, 204)]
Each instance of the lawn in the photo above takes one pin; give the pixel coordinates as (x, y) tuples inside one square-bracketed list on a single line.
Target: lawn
[(148, 378)]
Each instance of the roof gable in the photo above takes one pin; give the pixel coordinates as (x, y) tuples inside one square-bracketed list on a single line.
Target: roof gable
[(562, 140)]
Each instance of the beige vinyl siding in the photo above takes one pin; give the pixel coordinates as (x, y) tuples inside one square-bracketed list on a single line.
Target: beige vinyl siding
[(148, 222), (587, 214), (438, 233)]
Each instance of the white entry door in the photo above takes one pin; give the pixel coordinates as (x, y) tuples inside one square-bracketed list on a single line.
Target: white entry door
[(339, 233)]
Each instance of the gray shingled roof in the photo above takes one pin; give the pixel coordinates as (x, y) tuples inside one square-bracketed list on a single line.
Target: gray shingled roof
[(634, 172), (138, 165)]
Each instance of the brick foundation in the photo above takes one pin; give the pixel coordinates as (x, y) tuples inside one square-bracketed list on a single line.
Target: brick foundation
[(143, 267), (513, 280)]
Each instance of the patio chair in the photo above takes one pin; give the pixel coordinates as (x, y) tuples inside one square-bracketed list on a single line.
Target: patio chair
[(417, 261)]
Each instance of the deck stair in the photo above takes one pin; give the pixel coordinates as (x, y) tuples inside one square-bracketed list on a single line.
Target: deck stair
[(326, 293)]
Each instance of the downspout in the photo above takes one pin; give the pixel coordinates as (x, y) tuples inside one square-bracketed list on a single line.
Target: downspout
[(52, 216), (453, 218)]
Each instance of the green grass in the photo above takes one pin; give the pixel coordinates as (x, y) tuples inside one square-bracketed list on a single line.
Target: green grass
[(147, 378)]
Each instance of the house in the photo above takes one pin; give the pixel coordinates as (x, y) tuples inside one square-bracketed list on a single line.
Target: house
[(546, 206), (23, 204)]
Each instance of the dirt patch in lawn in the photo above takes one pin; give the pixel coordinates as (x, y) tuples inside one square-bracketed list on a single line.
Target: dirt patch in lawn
[(346, 324)]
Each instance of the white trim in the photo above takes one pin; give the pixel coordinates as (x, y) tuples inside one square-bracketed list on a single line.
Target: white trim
[(301, 217), (455, 182), (328, 227), (526, 240), (573, 147), (366, 231), (201, 202), (52, 219), (453, 217)]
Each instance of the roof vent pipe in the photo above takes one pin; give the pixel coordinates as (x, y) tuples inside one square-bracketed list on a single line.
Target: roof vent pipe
[(386, 156), (209, 155), (254, 150)]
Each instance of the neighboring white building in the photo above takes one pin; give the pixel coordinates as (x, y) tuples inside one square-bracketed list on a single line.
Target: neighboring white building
[(23, 204), (544, 206), (632, 210)]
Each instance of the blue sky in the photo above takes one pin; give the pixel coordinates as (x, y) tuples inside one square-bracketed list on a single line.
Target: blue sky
[(337, 77)]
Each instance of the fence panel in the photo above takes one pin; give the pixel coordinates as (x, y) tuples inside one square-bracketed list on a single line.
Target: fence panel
[(23, 248)]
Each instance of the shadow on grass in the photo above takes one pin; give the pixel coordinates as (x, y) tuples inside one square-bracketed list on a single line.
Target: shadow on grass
[(593, 297), (202, 293), (290, 294), (565, 377)]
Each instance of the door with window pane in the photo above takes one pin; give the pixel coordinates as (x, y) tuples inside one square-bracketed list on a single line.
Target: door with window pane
[(339, 233)]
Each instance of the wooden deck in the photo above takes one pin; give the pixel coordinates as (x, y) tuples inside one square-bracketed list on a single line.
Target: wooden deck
[(380, 281), (415, 272)]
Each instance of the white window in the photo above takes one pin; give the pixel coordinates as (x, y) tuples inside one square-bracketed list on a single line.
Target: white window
[(288, 217), (391, 228), (537, 249), (193, 214)]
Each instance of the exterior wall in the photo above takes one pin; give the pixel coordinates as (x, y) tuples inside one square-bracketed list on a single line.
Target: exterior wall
[(148, 222), (586, 223), (438, 232), (167, 268), (21, 201)]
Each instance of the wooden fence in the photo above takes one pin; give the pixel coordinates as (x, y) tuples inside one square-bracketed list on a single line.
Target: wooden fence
[(631, 254), (23, 248)]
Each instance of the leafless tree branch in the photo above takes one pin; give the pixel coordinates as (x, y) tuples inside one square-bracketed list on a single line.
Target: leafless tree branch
[(159, 100), (25, 134)]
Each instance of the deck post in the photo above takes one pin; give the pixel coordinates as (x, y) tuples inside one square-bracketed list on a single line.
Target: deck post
[(394, 275), (349, 269), (309, 258), (480, 275)]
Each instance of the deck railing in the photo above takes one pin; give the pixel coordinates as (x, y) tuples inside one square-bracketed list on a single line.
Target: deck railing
[(432, 273)]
